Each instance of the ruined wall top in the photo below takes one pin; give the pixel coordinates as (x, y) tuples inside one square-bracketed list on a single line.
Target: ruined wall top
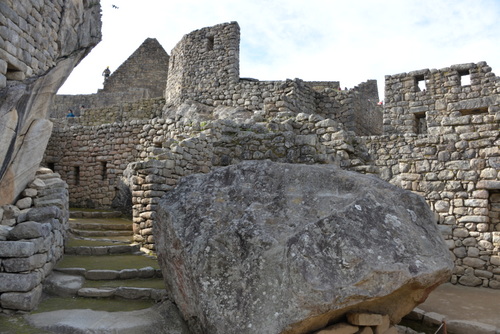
[(146, 69), (417, 101), (204, 58)]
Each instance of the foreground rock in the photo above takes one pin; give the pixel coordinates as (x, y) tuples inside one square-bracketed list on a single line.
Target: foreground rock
[(163, 318), (263, 247), (44, 41)]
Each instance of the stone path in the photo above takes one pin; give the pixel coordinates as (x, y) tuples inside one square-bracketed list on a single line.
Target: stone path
[(466, 310), (104, 284)]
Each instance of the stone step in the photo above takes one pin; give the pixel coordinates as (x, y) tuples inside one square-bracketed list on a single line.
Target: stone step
[(124, 292), (94, 214), (100, 226), (103, 233), (102, 250), (107, 274), (66, 285)]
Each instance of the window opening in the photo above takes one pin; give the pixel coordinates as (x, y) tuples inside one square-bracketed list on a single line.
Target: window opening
[(420, 83), (51, 166), (104, 170), (210, 43), (464, 78), (76, 171), (421, 123)]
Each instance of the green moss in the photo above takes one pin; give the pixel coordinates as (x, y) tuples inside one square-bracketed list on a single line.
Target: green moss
[(16, 324), (111, 262)]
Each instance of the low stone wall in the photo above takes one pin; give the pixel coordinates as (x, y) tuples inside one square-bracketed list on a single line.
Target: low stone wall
[(32, 234)]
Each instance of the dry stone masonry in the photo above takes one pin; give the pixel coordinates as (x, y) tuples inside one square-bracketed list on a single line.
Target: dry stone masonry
[(42, 41), (32, 234), (438, 136)]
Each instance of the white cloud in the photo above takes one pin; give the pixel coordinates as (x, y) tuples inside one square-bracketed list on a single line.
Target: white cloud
[(346, 41)]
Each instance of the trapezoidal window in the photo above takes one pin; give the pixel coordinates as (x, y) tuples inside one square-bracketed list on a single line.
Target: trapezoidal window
[(464, 77), (210, 43), (420, 83), (420, 123)]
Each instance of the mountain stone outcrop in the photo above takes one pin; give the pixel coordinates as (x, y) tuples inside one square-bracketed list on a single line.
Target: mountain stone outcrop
[(264, 247), (44, 41)]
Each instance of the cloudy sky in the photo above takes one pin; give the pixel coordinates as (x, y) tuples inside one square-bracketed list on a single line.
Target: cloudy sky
[(349, 41)]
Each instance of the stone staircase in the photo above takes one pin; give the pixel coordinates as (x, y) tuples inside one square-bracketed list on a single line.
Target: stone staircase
[(104, 284), (101, 261)]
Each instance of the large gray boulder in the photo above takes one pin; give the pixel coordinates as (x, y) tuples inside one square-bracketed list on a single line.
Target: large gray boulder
[(36, 60), (265, 247)]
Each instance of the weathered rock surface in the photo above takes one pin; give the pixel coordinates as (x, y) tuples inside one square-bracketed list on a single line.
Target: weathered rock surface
[(163, 318), (264, 247), (35, 68)]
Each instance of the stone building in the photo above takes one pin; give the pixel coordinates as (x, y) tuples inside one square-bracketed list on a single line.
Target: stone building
[(436, 135), (142, 76)]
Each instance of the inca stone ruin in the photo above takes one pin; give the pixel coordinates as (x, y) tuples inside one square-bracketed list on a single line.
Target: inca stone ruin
[(160, 118)]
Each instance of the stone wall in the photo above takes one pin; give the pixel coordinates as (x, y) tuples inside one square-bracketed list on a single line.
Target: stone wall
[(416, 102), (32, 36), (204, 68), (32, 236), (458, 172)]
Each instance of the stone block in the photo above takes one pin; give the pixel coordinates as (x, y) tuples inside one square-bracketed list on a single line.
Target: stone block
[(495, 260), (474, 262), (24, 203), (26, 301), (96, 293), (384, 326), (128, 273), (101, 274), (147, 272), (16, 264), (30, 230), (469, 280), (364, 319), (16, 248), (133, 293), (19, 282)]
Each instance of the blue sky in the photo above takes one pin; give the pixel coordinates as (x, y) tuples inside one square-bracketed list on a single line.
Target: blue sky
[(314, 40)]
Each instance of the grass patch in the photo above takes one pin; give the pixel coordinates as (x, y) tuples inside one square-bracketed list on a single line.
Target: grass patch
[(96, 304), (110, 262)]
